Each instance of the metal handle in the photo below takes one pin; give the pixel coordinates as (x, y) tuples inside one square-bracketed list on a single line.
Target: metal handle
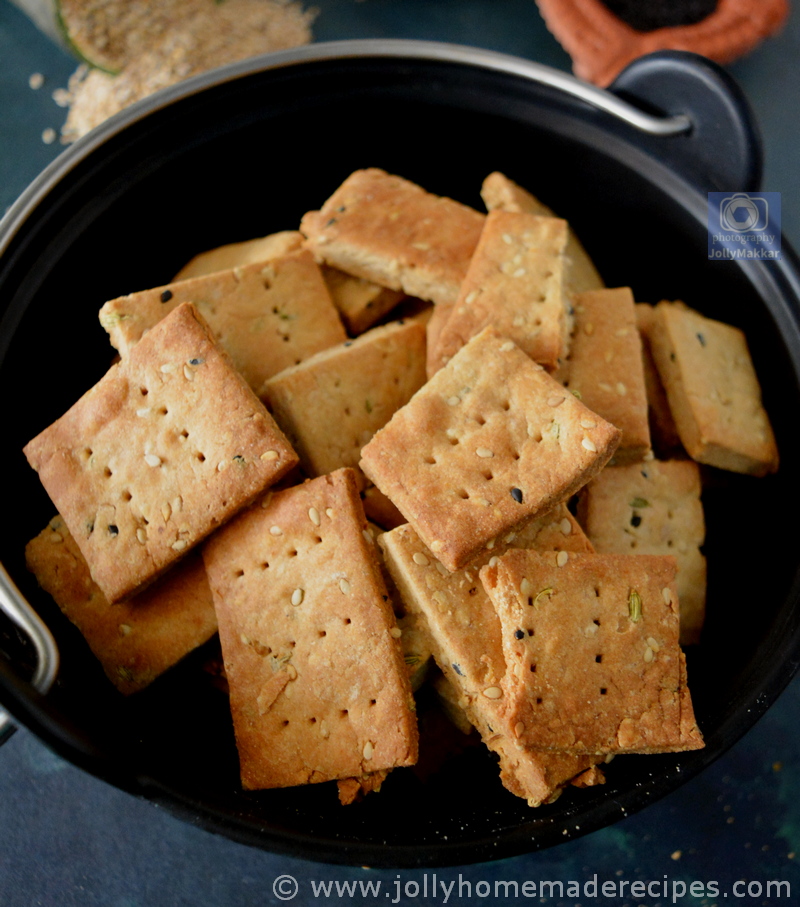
[(14, 606)]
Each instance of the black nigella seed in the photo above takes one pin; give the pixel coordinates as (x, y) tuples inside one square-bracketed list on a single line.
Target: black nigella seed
[(702, 339), (636, 521), (331, 222), (519, 634), (457, 669), (195, 362), (516, 493), (166, 296), (114, 530)]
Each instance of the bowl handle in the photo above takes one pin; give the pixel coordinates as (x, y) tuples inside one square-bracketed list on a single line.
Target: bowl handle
[(14, 606), (723, 149)]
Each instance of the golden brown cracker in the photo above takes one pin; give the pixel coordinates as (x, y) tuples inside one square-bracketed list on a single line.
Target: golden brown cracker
[(266, 316), (167, 446), (514, 283), (605, 367), (135, 641), (330, 405), (591, 644), (239, 254), (391, 231), (490, 442), (319, 690), (713, 391), (653, 508)]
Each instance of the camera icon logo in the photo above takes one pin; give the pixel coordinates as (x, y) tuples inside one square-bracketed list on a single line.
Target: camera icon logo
[(742, 213)]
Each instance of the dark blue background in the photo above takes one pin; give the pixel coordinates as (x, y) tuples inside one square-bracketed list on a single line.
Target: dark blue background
[(69, 839)]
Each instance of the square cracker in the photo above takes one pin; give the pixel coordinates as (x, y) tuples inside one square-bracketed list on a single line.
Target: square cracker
[(168, 445), (239, 254), (653, 508), (330, 405), (713, 391), (490, 442), (135, 641), (605, 367), (267, 316), (500, 193), (319, 689), (391, 231), (591, 644), (465, 638), (514, 283)]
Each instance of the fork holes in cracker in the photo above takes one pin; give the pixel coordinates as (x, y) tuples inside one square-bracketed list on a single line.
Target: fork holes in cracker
[(144, 391), (107, 472), (201, 457), (463, 494)]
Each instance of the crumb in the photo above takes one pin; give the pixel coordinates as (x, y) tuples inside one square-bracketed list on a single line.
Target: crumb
[(49, 135), (676, 855), (36, 80)]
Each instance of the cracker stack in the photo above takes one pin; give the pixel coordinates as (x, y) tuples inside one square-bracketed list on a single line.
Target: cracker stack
[(465, 637)]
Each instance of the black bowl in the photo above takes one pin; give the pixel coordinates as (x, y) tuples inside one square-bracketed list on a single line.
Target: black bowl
[(247, 150)]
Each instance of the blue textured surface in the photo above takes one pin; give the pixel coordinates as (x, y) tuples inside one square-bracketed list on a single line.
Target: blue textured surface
[(70, 839)]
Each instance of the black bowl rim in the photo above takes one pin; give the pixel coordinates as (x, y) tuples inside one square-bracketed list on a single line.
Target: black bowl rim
[(31, 708)]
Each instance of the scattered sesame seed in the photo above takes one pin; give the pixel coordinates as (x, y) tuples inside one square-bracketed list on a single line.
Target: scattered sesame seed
[(494, 561), (484, 452), (396, 632), (491, 543), (179, 545), (604, 386), (188, 373), (270, 455), (49, 135), (141, 535), (561, 558), (329, 513), (508, 239), (588, 423), (419, 558), (621, 389), (519, 729), (367, 535), (453, 401), (56, 537), (508, 345), (471, 297), (556, 400), (653, 644), (291, 670), (666, 595), (525, 586), (125, 629), (275, 530), (35, 80), (589, 445), (166, 511), (437, 545), (297, 596), (344, 585), (313, 515), (368, 750), (520, 272), (493, 693), (441, 568), (152, 460), (649, 654), (565, 526)]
